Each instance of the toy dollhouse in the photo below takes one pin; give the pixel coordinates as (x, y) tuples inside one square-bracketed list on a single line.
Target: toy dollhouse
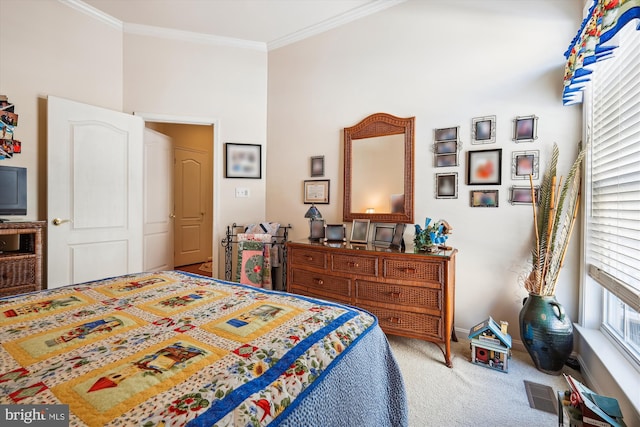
[(491, 345)]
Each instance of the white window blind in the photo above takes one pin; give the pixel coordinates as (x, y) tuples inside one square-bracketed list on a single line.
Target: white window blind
[(613, 236)]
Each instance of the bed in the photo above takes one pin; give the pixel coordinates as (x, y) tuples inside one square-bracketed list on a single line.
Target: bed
[(172, 348)]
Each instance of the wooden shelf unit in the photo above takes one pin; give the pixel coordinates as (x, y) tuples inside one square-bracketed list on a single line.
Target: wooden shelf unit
[(21, 268), (411, 294)]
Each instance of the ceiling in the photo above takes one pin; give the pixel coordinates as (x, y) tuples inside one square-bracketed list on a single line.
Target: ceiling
[(272, 22)]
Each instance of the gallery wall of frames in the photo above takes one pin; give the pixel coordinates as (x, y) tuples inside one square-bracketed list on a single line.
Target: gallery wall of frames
[(482, 165)]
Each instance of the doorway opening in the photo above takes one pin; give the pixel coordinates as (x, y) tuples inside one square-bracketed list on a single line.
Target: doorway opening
[(192, 210)]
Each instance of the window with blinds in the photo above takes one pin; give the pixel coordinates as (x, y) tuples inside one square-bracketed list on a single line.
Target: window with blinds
[(613, 176)]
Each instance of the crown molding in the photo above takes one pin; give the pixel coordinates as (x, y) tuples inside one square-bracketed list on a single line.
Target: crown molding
[(167, 33), (188, 36), (352, 15), (93, 12)]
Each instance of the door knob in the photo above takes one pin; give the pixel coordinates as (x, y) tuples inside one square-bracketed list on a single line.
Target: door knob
[(58, 221), (172, 215)]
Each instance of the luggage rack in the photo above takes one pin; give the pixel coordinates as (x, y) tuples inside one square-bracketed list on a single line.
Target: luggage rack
[(277, 240)]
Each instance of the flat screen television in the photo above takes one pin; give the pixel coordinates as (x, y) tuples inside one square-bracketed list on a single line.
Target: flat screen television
[(13, 190)]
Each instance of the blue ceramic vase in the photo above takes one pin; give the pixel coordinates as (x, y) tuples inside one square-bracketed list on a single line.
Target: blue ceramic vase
[(547, 333)]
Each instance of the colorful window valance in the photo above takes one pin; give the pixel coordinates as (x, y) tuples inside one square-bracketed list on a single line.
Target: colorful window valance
[(595, 42)]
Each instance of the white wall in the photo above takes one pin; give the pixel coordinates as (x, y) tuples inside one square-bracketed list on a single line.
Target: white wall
[(47, 48), (444, 63), (184, 79)]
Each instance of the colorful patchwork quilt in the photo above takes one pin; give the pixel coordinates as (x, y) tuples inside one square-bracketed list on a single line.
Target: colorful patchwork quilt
[(172, 348)]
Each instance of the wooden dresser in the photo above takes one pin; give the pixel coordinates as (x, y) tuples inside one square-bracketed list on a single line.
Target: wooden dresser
[(412, 294), (20, 257)]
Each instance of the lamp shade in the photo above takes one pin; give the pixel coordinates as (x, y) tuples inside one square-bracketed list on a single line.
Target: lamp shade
[(313, 213)]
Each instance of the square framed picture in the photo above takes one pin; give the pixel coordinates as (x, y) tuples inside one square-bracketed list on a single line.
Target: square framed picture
[(243, 161), (360, 231), (525, 128), (316, 229), (446, 134), (383, 234), (525, 163), (447, 185), (484, 167), (316, 191), (521, 195), (483, 130), (335, 233), (484, 198), (317, 166)]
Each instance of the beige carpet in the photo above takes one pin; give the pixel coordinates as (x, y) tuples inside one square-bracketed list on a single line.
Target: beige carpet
[(468, 394)]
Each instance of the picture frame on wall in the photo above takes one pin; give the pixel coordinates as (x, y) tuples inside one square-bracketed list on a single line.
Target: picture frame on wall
[(484, 199), (521, 195), (447, 185), (446, 134), (484, 167), (483, 130), (525, 163), (243, 161), (383, 234), (525, 128), (316, 191), (446, 160), (317, 166), (360, 231)]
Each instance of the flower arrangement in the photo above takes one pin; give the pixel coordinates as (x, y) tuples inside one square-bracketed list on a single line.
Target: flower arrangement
[(431, 236), (553, 221)]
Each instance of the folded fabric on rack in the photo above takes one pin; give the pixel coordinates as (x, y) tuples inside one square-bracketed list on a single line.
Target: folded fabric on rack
[(263, 227), (254, 260)]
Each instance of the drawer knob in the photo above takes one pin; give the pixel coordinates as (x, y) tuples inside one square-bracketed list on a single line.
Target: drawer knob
[(409, 270), (308, 257), (318, 281), (395, 294), (395, 320), (353, 264)]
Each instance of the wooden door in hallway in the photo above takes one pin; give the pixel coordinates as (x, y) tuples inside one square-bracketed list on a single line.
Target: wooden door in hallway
[(193, 202)]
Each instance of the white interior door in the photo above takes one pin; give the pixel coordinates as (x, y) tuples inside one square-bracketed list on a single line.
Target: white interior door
[(94, 191), (158, 201)]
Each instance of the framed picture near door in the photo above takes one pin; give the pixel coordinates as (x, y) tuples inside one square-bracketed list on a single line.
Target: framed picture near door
[(243, 161)]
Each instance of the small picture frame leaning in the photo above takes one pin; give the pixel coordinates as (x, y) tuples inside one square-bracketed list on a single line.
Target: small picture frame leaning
[(483, 130), (383, 234), (359, 231)]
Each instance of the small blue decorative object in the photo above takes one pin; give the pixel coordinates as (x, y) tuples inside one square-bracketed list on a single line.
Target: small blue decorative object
[(431, 236)]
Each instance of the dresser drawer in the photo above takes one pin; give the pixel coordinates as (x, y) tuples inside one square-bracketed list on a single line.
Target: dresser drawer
[(363, 264), (396, 268), (406, 296), (18, 271), (405, 323), (321, 282), (308, 257)]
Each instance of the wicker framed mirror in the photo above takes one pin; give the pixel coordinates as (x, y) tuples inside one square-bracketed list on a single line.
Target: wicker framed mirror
[(379, 169)]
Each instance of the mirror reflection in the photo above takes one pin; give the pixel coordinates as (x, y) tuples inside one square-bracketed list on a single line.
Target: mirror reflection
[(377, 175)]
